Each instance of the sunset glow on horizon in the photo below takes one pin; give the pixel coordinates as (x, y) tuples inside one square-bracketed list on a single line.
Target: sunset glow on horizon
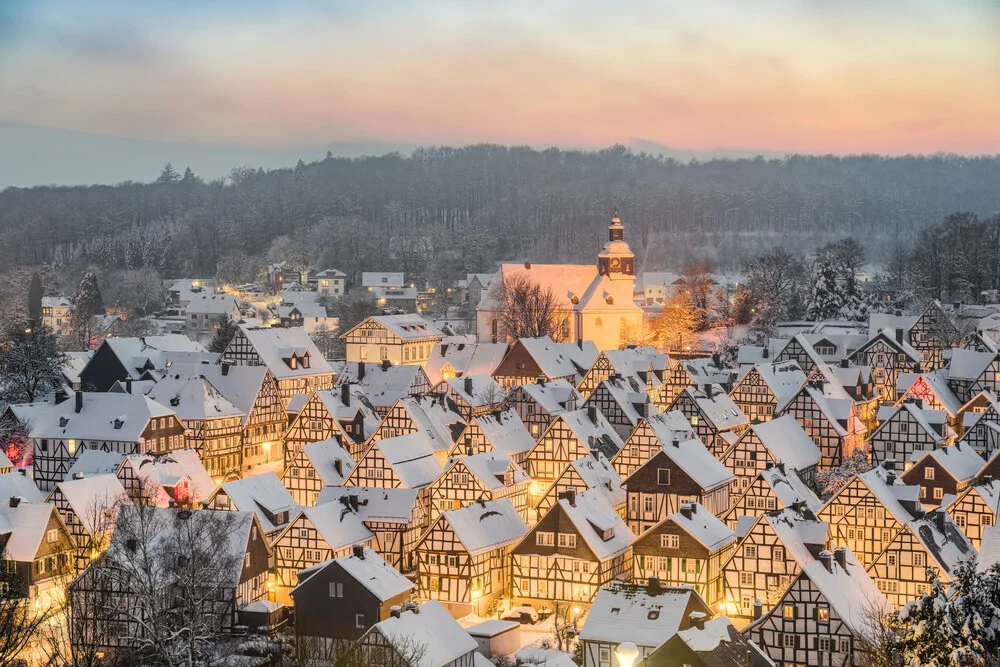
[(804, 76)]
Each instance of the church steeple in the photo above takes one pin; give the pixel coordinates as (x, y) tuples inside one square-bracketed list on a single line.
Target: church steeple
[(616, 259)]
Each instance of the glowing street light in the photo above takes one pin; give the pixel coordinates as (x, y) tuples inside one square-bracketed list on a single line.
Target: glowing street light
[(626, 653)]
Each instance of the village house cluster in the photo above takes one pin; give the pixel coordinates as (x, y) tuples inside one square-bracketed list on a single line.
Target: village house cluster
[(677, 510)]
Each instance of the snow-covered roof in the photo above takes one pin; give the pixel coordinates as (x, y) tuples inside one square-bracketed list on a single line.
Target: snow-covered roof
[(937, 382), (326, 456), (630, 396), (703, 371), (850, 591), (625, 611), (598, 474), (382, 279), (799, 531), (887, 321), (94, 500), (789, 488), (192, 398), (170, 469), (485, 391), (24, 527), (969, 365), (264, 495), (490, 468), (276, 344), (407, 326), (357, 402), (704, 526), (553, 396), (155, 351), (16, 485), (560, 360), (104, 416), (720, 643), (430, 626), (933, 422), (717, 407), (55, 302), (412, 458), (505, 431), (670, 425), (565, 280), (989, 549), (463, 358), (696, 461), (784, 378), (337, 525), (592, 514), (382, 384), (635, 360), (370, 570), (898, 498), (788, 442), (436, 418), (373, 503), (74, 363), (958, 460), (303, 309), (92, 462), (214, 304), (943, 540), (5, 462), (592, 430), (486, 525), (240, 385)]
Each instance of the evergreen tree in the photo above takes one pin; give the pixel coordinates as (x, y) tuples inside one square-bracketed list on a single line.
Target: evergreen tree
[(87, 304), (826, 299), (224, 334), (168, 174), (31, 362), (742, 307), (189, 178), (35, 299)]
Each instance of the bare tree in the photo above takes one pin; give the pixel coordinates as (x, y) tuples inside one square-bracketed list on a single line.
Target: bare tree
[(565, 625), (675, 326), (527, 310), (375, 650), (19, 621)]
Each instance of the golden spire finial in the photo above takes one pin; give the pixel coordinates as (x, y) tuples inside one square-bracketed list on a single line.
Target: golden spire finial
[(616, 207)]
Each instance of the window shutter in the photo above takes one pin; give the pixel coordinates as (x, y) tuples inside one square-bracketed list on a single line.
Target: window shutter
[(798, 641)]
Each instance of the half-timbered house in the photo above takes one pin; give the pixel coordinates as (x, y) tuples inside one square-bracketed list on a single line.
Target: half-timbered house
[(772, 552), (590, 472), (451, 358), (932, 390), (502, 432), (121, 359), (684, 373), (173, 479), (462, 559), (682, 471), (531, 358), (38, 547), (776, 487), (316, 465), (578, 547), (975, 509), (982, 428), (708, 643), (713, 416), (971, 372), (538, 403), (426, 635), (474, 395), (382, 383), (688, 547), (829, 417), (317, 534), (906, 429), (297, 365), (643, 363), (649, 437), (88, 507), (488, 476), (932, 333), (764, 387), (781, 440), (406, 461), (623, 401), (343, 413), (942, 472), (400, 339), (888, 355), (869, 511), (797, 349), (264, 496), (825, 615), (644, 613), (121, 423), (570, 436), (436, 418), (932, 541), (338, 600), (393, 516)]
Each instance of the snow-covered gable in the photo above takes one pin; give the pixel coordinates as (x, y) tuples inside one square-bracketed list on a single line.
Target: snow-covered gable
[(697, 462), (849, 590), (330, 460), (372, 504), (368, 569), (801, 533), (935, 384), (933, 422), (506, 432), (788, 442), (592, 430), (598, 474), (716, 406), (94, 500), (463, 358), (960, 461), (491, 469), (943, 540), (597, 522), (192, 398), (553, 396), (171, 471), (487, 525), (104, 416), (429, 626), (898, 498), (412, 458), (703, 526), (635, 612), (630, 396), (265, 496), (276, 345)]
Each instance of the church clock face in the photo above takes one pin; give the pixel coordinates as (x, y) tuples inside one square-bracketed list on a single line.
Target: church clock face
[(616, 264)]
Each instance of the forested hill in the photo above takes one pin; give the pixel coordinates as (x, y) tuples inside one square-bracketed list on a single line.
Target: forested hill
[(441, 212)]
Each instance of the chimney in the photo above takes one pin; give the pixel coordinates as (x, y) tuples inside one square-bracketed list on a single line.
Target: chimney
[(15, 501), (359, 551), (540, 380), (697, 619), (353, 501), (596, 454), (361, 371), (768, 464), (758, 609), (694, 508), (527, 264), (395, 610), (675, 443), (840, 555), (579, 343), (844, 363), (128, 385), (78, 475), (717, 360), (345, 394), (444, 349), (386, 364), (225, 369), (748, 662), (708, 389), (987, 479), (653, 584), (592, 413), (686, 511), (569, 495), (79, 401), (338, 465), (890, 477), (171, 503), (765, 353), (826, 558), (467, 384), (888, 464), (481, 501), (781, 467), (939, 520), (899, 335)]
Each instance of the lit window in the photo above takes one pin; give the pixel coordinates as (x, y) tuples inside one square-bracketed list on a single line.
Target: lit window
[(694, 420), (670, 541), (928, 473), (823, 614), (788, 611), (567, 540)]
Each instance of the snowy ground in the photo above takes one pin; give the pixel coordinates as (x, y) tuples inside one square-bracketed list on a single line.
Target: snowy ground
[(534, 637)]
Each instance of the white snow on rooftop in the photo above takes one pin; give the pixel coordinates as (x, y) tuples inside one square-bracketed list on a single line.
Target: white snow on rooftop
[(487, 525), (787, 441), (631, 612)]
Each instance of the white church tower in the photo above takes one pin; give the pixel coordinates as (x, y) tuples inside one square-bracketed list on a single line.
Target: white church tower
[(616, 260)]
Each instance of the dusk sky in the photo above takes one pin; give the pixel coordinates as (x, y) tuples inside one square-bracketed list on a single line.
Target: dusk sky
[(812, 76)]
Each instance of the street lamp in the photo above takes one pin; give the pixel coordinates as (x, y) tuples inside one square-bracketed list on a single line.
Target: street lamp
[(626, 653)]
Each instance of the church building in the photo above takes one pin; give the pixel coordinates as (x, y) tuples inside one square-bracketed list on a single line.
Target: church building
[(594, 302)]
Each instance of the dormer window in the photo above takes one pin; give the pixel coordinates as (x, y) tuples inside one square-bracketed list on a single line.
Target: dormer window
[(293, 362), (608, 534), (119, 422), (305, 361)]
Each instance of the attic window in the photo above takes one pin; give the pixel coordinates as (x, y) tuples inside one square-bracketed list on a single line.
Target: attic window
[(119, 422), (653, 614), (608, 534), (610, 300), (293, 362), (305, 361)]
